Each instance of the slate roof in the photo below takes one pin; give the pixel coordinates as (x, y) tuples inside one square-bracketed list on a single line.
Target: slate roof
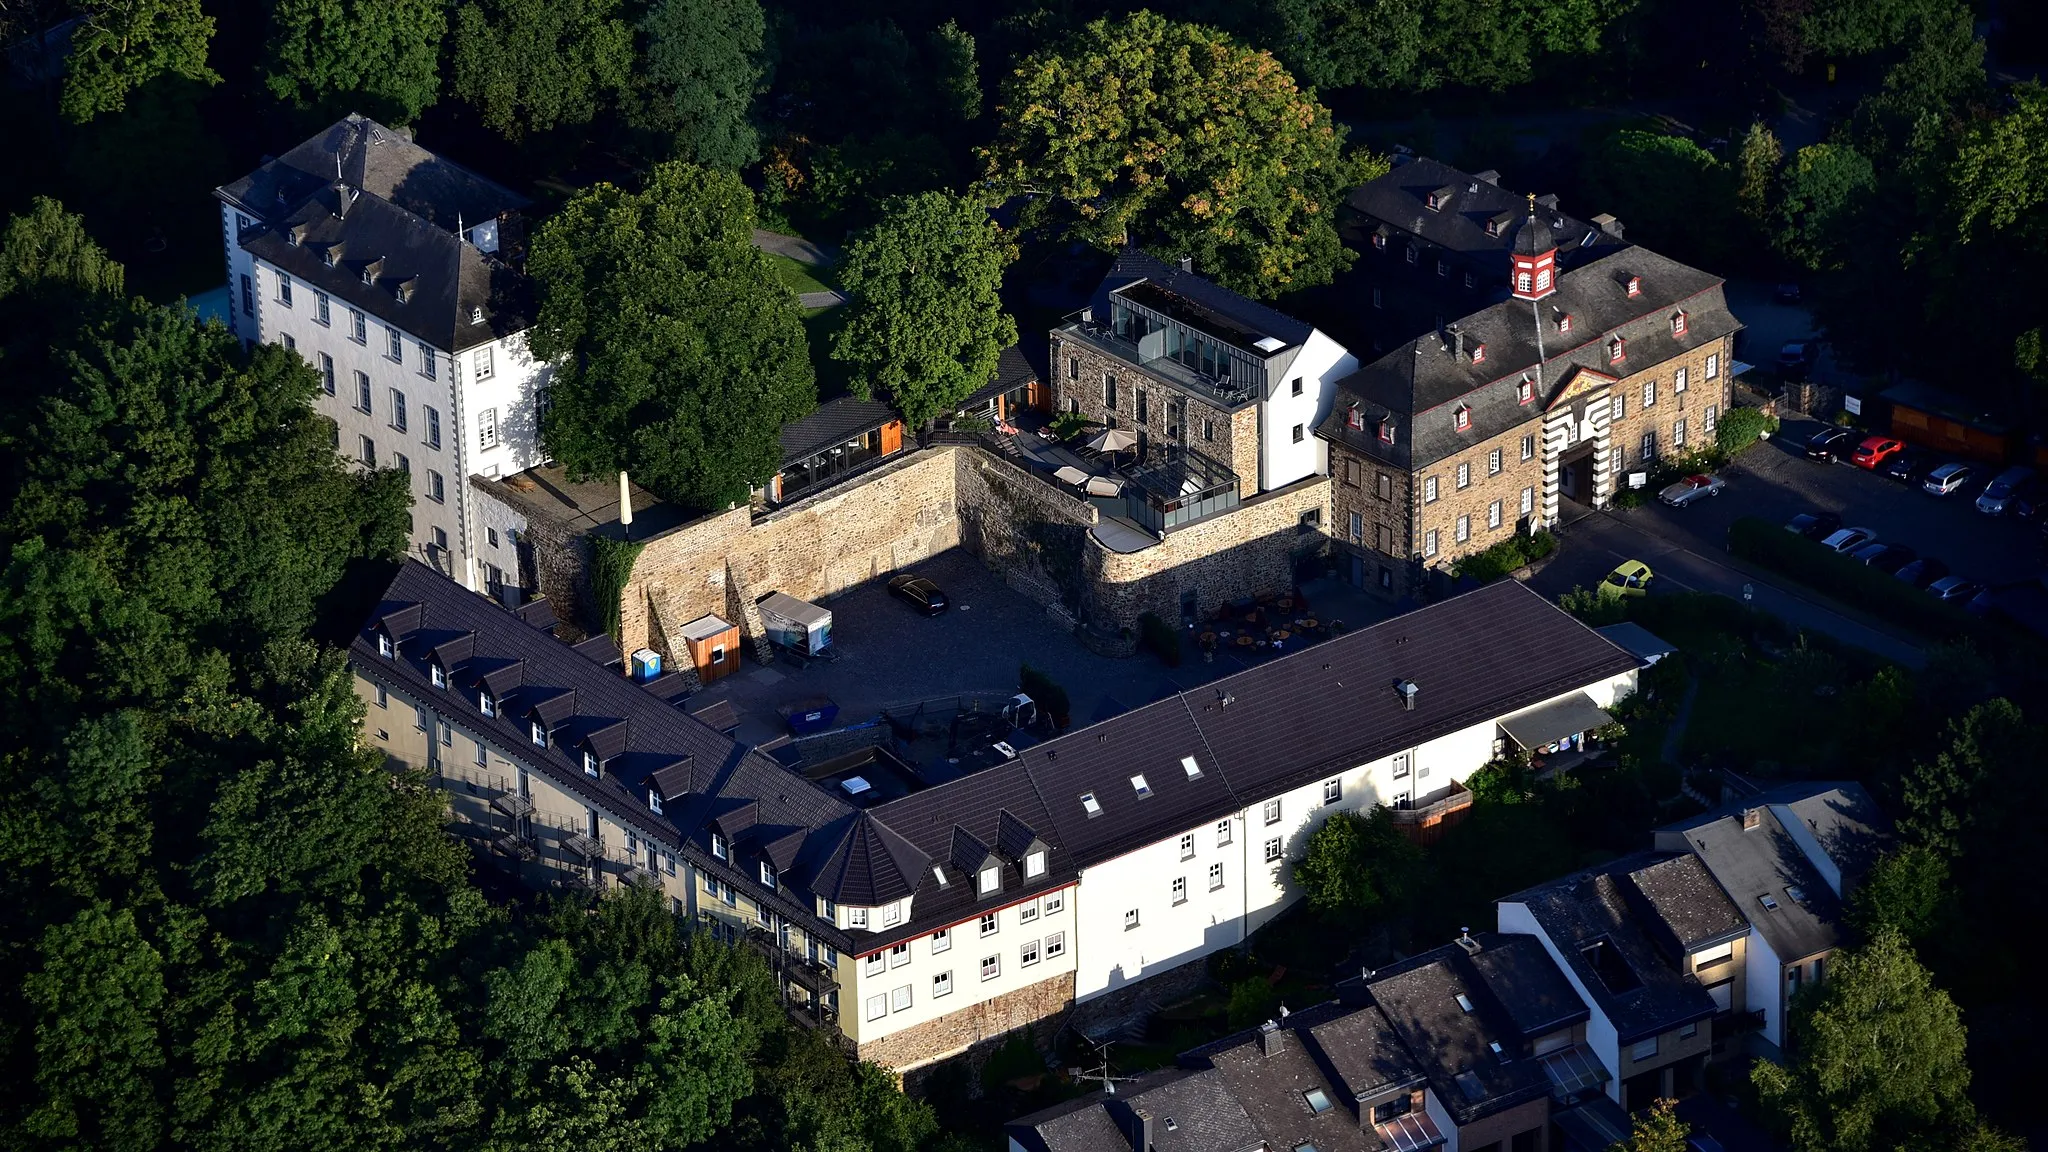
[(1013, 370), (1133, 265), (1399, 201), (1767, 859), (831, 424), (1364, 1053), (1525, 982), (1272, 1090), (399, 223), (1597, 906), (1419, 382), (1453, 1044), (1191, 1109)]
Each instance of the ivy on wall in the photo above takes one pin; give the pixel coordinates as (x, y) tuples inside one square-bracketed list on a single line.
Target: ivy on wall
[(611, 566)]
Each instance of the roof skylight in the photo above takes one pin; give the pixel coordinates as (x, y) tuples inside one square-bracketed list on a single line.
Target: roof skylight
[(1139, 786), (1089, 805), (1189, 766)]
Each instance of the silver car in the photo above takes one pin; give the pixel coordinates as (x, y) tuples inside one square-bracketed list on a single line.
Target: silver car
[(1849, 539), (1697, 487), (1998, 494)]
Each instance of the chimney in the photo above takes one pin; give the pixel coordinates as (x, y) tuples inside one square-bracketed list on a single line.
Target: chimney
[(1408, 689), (1457, 342), (1187, 263), (625, 504), (1466, 942), (1751, 818), (1088, 315), (1608, 224), (1271, 1038), (1134, 1122)]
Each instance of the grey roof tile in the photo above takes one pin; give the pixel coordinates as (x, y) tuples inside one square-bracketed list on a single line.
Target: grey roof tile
[(831, 424), (1133, 265), (1453, 1043)]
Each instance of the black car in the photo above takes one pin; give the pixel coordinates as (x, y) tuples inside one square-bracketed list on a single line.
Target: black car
[(1828, 444), (1885, 558), (2029, 498), (1815, 525), (1922, 572), (920, 594), (1912, 465)]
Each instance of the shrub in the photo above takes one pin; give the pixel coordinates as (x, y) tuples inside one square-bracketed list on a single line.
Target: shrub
[(1506, 556), (1050, 696), (1159, 638), (1741, 428), (1592, 608), (1251, 1002), (1765, 543), (1068, 425)]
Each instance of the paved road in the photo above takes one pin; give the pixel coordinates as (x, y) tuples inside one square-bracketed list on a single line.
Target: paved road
[(795, 247), (821, 299)]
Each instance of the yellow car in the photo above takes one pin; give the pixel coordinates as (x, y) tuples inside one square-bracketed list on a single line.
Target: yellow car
[(1629, 578)]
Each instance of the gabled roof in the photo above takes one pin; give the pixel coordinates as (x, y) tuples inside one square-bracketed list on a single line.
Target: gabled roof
[(1229, 315), (1690, 906), (1453, 1039), (1526, 984), (1400, 199), (1013, 370), (1787, 856)]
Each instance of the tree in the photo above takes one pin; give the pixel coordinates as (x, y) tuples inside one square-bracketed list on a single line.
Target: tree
[(1674, 195), (1151, 132), (539, 64), (1861, 27), (957, 75), (380, 57), (703, 65), (679, 356), (1358, 864), (1333, 43), (1879, 1061), (927, 322), (1904, 893), (1927, 94), (1819, 193), (1756, 171), (118, 46), (1956, 802), (1657, 1130)]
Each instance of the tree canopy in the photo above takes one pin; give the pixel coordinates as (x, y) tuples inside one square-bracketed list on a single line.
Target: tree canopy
[(1157, 133), (703, 61), (538, 64), (118, 47), (378, 57), (678, 354), (1358, 864), (927, 321), (1657, 1129)]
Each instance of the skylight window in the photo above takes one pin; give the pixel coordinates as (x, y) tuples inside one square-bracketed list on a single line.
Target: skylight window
[(1318, 1100), (1797, 894), (1089, 805), (1769, 902), (1464, 1002), (1497, 1051), (1189, 766), (1139, 786), (939, 874)]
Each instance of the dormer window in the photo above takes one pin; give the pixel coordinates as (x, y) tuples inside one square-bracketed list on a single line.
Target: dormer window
[(1616, 349), (476, 315), (767, 875), (435, 673), (856, 917), (1564, 322), (1413, 253), (384, 646), (1635, 287), (1439, 198), (1479, 353), (591, 765), (1386, 430), (718, 845), (1443, 266), (539, 732), (1379, 241), (1034, 864), (990, 881), (1525, 391), (1462, 418), (1678, 323), (654, 801), (1353, 420), (486, 703), (827, 910)]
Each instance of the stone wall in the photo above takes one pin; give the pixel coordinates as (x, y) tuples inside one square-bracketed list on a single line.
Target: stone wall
[(964, 1027), (1026, 531), (1248, 551), (1382, 497), (1079, 385), (1482, 488), (1671, 407)]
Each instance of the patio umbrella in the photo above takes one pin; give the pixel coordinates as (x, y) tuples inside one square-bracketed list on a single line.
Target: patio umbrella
[(1103, 486), (1068, 474), (1113, 440)]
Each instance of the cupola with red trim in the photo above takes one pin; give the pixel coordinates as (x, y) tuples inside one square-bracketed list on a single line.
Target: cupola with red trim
[(1532, 260)]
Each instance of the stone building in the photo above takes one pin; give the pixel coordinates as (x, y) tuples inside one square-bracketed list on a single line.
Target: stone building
[(1552, 358)]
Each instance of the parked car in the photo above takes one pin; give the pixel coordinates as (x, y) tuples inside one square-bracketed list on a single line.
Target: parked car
[(1998, 494), (1983, 602), (1828, 445), (920, 594), (1922, 572), (1796, 359), (1696, 487), (1946, 479), (1875, 451), (1886, 558), (1786, 293), (1912, 465), (2029, 498), (1814, 525), (1954, 590), (1629, 578), (1849, 539)]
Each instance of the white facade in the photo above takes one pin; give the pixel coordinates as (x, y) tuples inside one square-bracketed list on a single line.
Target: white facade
[(1600, 1035), (440, 416), (1285, 457), (1763, 976)]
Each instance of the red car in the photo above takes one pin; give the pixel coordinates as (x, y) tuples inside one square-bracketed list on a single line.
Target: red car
[(1875, 450)]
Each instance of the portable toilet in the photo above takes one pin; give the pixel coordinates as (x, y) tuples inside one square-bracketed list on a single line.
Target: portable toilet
[(797, 625), (646, 665), (714, 647)]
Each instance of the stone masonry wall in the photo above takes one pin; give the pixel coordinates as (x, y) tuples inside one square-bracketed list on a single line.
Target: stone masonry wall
[(1382, 498), (1248, 551), (1671, 407), (1026, 531), (1481, 490), (1078, 386), (961, 1029)]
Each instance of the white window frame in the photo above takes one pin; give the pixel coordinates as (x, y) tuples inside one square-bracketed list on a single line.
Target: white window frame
[(1055, 903), (874, 964), (1180, 890), (1216, 876), (877, 1006), (989, 880), (991, 967), (1055, 945), (486, 429), (942, 984), (1333, 790), (1273, 850), (1132, 919), (1271, 812), (899, 954), (1027, 912), (942, 941), (991, 924), (1028, 953), (1034, 864), (1187, 846), (899, 998), (1402, 763), (1493, 514)]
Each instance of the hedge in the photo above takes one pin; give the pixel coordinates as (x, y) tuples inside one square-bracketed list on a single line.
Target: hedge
[(1160, 637), (1512, 553), (1886, 597)]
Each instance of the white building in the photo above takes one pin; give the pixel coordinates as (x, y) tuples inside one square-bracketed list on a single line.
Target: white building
[(391, 270)]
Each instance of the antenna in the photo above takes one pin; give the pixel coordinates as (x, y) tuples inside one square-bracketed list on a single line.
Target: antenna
[(1101, 1072)]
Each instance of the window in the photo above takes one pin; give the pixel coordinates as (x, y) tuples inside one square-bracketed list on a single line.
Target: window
[(384, 701), (590, 765), (1617, 408), (1564, 322), (1402, 763), (1708, 418), (1318, 1101), (1529, 446), (1215, 876), (1055, 945), (1187, 846), (990, 880), (1542, 279), (428, 367), (1635, 286), (398, 419), (1713, 366), (248, 295), (1272, 851), (877, 1006), (394, 347), (1528, 500), (1464, 527), (1139, 786), (433, 416), (1294, 389), (1412, 254), (435, 488), (1649, 448), (1479, 353), (1443, 266), (368, 452), (1689, 1031), (483, 756), (1376, 297), (1493, 462), (441, 539), (1180, 889), (1462, 418), (1525, 391), (321, 312), (942, 941), (1223, 833), (1208, 430), (1678, 434), (1034, 864), (1398, 1106), (357, 330), (1333, 790), (488, 705), (1027, 912), (291, 343), (327, 373), (1027, 954), (1130, 919), (1429, 489), (1272, 812), (767, 875), (1712, 956), (989, 924), (1297, 433), (718, 845), (1429, 542), (485, 365), (1493, 514), (1055, 903), (1073, 367), (1678, 323), (284, 289), (1769, 902), (899, 954), (942, 985), (1089, 804), (1357, 527), (857, 918), (487, 428), (491, 536), (1649, 393), (1644, 1050), (1109, 391), (1522, 281), (1385, 485), (539, 734), (1386, 429), (362, 391), (991, 967), (1678, 381)]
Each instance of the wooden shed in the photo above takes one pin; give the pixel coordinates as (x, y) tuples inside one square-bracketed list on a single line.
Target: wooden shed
[(714, 647), (1946, 423)]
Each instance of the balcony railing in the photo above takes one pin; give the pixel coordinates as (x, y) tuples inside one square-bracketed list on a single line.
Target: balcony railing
[(583, 845), (1226, 392), (1731, 1024), (1457, 799)]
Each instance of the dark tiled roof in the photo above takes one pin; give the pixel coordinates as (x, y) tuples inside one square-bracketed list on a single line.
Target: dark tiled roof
[(1192, 1110), (1767, 860), (1364, 1053), (1013, 370), (830, 425), (1689, 903), (1133, 265), (1272, 1089), (1525, 982), (1419, 382), (1453, 1043), (1596, 907), (406, 206), (1399, 200)]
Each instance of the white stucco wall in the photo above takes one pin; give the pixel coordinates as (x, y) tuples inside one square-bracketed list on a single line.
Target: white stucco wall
[(1600, 1036), (1444, 1123), (1764, 979), (921, 964), (1319, 364)]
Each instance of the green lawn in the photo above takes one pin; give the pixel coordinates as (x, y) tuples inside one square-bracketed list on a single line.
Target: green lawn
[(799, 278)]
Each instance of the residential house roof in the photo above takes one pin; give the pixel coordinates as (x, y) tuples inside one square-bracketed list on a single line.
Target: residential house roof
[(1189, 1109), (1200, 303), (1526, 984), (361, 213), (1449, 1018), (1013, 370), (1764, 859), (1399, 200), (1691, 907), (832, 424)]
